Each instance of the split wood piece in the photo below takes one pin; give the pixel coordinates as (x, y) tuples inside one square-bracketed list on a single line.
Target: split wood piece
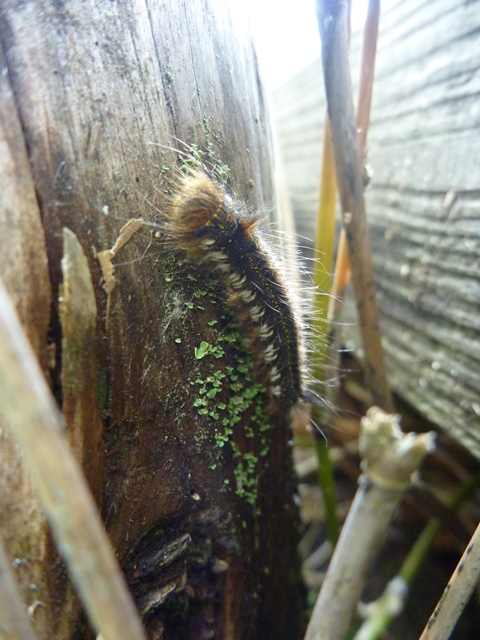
[(389, 460), (30, 411), (79, 377)]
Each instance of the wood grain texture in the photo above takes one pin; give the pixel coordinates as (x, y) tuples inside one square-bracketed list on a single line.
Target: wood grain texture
[(23, 270), (423, 202), (102, 91)]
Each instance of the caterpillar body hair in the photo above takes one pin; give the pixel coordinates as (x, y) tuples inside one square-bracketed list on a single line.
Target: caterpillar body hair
[(214, 231)]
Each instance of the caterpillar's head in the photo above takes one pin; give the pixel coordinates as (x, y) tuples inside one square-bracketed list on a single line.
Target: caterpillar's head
[(196, 204), (200, 210)]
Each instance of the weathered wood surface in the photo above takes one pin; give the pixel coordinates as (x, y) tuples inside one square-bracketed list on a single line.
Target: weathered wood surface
[(91, 96), (423, 202), (24, 270)]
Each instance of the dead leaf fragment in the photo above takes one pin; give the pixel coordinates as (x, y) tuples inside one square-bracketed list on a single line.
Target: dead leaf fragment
[(105, 258)]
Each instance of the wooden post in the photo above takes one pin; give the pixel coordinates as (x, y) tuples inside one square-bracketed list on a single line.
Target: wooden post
[(94, 99)]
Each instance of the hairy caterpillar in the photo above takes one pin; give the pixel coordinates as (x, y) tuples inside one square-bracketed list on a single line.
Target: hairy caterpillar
[(215, 232)]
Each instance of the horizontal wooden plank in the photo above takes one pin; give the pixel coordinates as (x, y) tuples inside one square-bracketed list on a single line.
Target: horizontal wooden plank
[(423, 32), (448, 161), (423, 202), (426, 258)]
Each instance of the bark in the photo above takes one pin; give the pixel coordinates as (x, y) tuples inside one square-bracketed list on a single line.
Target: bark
[(93, 98)]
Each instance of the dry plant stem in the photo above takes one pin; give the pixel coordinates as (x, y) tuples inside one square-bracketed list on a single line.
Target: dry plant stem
[(323, 254), (30, 411), (342, 275), (391, 603), (333, 30), (389, 459), (14, 622), (367, 68), (457, 593), (335, 308), (361, 536)]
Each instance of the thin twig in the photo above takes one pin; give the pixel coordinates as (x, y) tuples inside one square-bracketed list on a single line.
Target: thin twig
[(333, 30), (457, 593), (30, 411)]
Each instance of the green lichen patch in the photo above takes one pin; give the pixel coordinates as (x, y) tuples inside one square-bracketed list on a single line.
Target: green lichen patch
[(245, 399), (193, 159), (232, 427), (205, 159)]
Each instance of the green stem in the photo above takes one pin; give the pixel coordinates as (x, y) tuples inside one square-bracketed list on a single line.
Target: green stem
[(322, 279), (327, 484), (323, 258)]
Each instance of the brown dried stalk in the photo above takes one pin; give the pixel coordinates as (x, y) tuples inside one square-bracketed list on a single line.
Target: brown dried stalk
[(367, 68), (333, 29)]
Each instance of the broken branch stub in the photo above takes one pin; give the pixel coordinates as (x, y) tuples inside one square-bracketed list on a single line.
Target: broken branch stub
[(390, 458)]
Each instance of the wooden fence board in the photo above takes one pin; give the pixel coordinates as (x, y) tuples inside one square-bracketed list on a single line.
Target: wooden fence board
[(423, 202)]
